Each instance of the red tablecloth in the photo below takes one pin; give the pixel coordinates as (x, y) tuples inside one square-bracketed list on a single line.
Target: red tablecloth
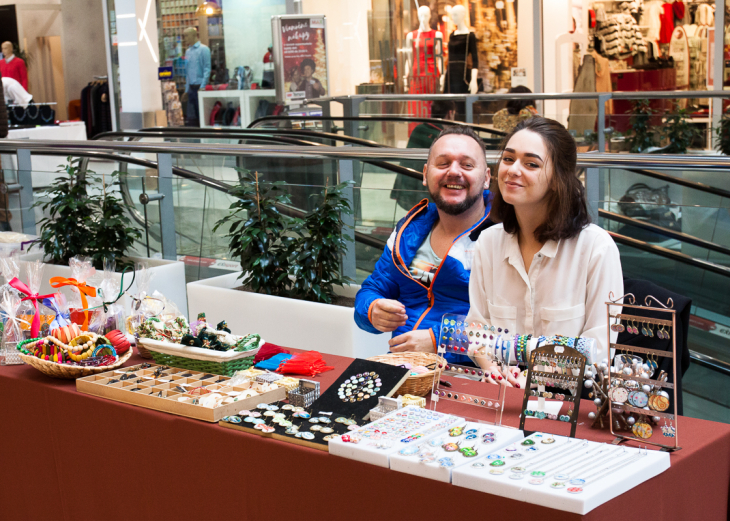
[(67, 455)]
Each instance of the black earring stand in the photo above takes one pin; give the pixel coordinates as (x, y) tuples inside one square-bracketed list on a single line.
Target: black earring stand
[(555, 353)]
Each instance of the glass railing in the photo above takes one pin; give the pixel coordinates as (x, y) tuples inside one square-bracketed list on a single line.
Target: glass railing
[(203, 171)]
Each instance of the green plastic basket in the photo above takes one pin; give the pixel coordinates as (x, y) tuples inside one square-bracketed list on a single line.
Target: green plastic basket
[(228, 368)]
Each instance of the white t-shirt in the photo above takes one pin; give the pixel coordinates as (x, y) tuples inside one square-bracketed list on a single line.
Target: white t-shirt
[(564, 293), (424, 265), (14, 93)]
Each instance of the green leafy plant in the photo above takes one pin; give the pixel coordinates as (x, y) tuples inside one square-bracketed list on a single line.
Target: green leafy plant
[(260, 236), (643, 135), (679, 131), (112, 235), (319, 250), (81, 222), (65, 232), (722, 141), (285, 256)]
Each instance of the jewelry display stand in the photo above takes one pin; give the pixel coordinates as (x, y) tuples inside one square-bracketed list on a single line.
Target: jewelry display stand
[(455, 339), (560, 472), (439, 456), (629, 392), (375, 442), (554, 366)]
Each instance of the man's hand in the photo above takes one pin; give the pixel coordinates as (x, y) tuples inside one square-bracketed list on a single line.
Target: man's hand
[(419, 340), (388, 315), (184, 97)]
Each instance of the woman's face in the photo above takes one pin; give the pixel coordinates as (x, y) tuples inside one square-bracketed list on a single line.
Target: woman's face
[(525, 170)]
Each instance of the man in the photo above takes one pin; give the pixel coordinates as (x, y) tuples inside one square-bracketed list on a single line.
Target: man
[(311, 86), (406, 190), (13, 67), (197, 74), (424, 270)]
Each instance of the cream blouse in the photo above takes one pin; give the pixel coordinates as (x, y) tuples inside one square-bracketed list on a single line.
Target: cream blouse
[(564, 293)]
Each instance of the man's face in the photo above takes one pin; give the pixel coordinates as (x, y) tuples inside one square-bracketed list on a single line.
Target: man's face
[(308, 71), (456, 173), (7, 49), (190, 38)]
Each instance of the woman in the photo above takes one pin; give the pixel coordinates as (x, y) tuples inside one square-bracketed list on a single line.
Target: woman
[(517, 110), (545, 269)]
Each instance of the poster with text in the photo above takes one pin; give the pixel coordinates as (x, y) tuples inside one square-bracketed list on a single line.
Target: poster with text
[(303, 57)]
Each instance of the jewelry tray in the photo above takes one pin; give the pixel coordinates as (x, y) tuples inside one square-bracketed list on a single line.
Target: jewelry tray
[(594, 493), (367, 453), (98, 385), (433, 470), (196, 353), (279, 434)]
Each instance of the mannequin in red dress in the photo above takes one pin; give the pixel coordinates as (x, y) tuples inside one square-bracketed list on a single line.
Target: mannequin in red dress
[(424, 63)]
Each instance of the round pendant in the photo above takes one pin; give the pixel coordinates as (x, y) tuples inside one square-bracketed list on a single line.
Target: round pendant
[(263, 406), (234, 419), (517, 455), (510, 448), (341, 419), (409, 451), (496, 472), (287, 407), (494, 456), (642, 430), (313, 420), (478, 465), (446, 462), (516, 476), (536, 481), (619, 395), (528, 442), (267, 428), (641, 399), (285, 423), (575, 490), (255, 414), (326, 430), (259, 426), (244, 413), (315, 428), (303, 414), (269, 413), (561, 477), (273, 407), (577, 482), (307, 435), (427, 458), (324, 419), (659, 403), (497, 463), (548, 441), (291, 430)]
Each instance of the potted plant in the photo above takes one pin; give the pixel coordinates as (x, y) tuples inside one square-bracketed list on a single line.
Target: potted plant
[(643, 136), (679, 132), (722, 141), (291, 273), (80, 220)]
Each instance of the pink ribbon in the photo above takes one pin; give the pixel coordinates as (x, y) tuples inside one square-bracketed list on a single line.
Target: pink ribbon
[(35, 326)]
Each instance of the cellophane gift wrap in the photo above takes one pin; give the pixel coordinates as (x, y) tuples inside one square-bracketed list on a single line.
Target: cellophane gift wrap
[(110, 315), (12, 332)]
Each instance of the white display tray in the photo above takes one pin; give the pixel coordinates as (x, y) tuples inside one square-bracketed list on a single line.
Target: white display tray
[(196, 353), (367, 452), (594, 493), (433, 470)]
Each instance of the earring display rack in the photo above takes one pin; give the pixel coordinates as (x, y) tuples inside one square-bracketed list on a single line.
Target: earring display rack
[(634, 388), (559, 472), (487, 399), (176, 391), (554, 366)]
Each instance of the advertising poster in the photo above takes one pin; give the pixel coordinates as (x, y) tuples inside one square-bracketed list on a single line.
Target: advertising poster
[(300, 51)]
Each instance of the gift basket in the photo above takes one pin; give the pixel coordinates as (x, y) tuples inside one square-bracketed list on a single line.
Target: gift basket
[(198, 346), (57, 347), (424, 368)]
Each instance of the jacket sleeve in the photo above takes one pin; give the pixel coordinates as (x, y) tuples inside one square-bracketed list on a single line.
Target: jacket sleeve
[(376, 286)]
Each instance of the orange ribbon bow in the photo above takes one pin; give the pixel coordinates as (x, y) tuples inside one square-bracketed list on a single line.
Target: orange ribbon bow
[(84, 290)]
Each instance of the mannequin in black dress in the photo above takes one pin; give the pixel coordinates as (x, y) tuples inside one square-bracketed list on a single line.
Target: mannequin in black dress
[(462, 43)]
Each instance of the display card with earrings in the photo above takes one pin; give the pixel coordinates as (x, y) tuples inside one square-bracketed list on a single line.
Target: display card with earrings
[(638, 396), (439, 456), (554, 373), (455, 335)]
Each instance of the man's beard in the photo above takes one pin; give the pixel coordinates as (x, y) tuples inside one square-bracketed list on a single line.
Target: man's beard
[(455, 208)]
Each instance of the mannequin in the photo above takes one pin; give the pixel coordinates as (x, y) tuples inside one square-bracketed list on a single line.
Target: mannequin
[(429, 45), (462, 43)]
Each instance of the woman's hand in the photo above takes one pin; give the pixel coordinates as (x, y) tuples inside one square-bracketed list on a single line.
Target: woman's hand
[(493, 373)]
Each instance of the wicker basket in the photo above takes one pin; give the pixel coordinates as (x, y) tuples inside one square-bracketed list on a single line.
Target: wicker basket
[(70, 372), (419, 385), (142, 350), (198, 359)]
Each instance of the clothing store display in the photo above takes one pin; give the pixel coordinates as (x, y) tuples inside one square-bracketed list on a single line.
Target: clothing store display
[(424, 75), (584, 112), (679, 10), (14, 67), (620, 34), (197, 66), (679, 51), (667, 19), (192, 118), (705, 15), (95, 108), (461, 48), (652, 19), (603, 78), (217, 107)]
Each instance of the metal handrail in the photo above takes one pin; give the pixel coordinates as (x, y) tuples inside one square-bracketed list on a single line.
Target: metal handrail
[(407, 119), (585, 160), (683, 237), (695, 185)]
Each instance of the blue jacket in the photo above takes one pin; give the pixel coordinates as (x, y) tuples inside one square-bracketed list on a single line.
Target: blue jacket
[(449, 291)]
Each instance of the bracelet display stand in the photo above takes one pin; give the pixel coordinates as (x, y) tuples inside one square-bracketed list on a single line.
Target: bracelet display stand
[(455, 339), (629, 392), (554, 366)]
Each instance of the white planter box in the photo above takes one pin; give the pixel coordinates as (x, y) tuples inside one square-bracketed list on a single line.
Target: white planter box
[(168, 277), (284, 321)]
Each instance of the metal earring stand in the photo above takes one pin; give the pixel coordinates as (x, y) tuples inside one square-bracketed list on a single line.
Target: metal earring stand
[(613, 377), (452, 342), (555, 354)]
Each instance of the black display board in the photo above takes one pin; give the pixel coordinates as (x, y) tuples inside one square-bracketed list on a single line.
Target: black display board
[(391, 377)]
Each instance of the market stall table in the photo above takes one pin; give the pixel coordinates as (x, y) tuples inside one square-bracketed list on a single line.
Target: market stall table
[(67, 455)]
